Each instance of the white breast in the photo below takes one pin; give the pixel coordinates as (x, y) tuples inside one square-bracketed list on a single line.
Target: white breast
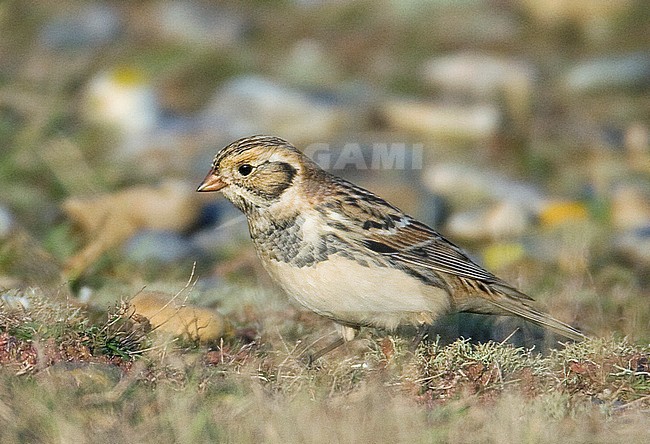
[(344, 290)]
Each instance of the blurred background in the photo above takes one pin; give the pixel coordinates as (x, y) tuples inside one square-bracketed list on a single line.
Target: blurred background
[(524, 127)]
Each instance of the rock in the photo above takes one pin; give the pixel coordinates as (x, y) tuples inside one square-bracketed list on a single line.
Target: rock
[(454, 180), (158, 245), (629, 72), (196, 24), (634, 245), (13, 300), (595, 18), (637, 146), (309, 64), (92, 25), (630, 207), (6, 222), (124, 100), (477, 122), (168, 315), (502, 255), (110, 219), (503, 220), (220, 225), (484, 77), (562, 212), (255, 105), (434, 210)]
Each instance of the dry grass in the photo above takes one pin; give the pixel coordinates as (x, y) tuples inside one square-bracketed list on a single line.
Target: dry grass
[(67, 379)]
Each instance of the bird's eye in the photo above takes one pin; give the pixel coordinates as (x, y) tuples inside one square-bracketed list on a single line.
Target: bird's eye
[(245, 169)]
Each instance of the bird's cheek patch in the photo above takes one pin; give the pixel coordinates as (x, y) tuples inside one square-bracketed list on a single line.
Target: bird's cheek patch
[(274, 179)]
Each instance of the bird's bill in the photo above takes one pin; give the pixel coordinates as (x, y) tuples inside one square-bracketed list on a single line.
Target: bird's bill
[(212, 182)]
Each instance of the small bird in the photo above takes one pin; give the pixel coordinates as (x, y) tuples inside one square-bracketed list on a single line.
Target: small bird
[(350, 256)]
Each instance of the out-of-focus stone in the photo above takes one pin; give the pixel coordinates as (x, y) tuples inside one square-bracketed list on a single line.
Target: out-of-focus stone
[(255, 105), (309, 64), (600, 75), (13, 300), (196, 24), (485, 77), (92, 25), (457, 23), (109, 220), (503, 220), (637, 146), (454, 180), (220, 225), (123, 99), (477, 122), (167, 315), (596, 18), (502, 255), (434, 210), (635, 245), (6, 222), (562, 212), (630, 207), (157, 245)]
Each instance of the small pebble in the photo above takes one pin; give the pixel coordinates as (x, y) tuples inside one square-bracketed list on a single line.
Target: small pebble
[(635, 245), (256, 105), (123, 99), (6, 222), (630, 207), (484, 77), (561, 212), (502, 220), (174, 317), (160, 246), (502, 255), (629, 72), (197, 24), (454, 180), (92, 25), (476, 122)]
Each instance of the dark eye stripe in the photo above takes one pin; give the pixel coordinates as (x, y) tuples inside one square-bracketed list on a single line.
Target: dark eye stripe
[(272, 179)]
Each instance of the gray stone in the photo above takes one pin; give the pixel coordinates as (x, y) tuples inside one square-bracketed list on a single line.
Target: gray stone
[(155, 245), (482, 75), (256, 105), (443, 121), (6, 222), (634, 245), (625, 72), (93, 25), (193, 23), (453, 180)]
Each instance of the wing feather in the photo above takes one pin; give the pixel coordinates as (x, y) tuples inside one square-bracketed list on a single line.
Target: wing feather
[(386, 230)]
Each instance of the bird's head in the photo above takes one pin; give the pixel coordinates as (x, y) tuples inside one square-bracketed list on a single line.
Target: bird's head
[(255, 172)]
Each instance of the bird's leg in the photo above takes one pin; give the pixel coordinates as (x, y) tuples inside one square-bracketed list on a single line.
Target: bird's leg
[(419, 337), (346, 334)]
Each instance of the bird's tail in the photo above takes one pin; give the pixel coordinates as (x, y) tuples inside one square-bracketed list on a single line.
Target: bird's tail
[(522, 308)]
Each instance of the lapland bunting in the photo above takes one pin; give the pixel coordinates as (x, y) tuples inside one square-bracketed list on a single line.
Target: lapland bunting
[(347, 254)]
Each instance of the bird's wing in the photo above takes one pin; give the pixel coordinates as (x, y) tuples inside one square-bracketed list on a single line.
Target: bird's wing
[(384, 229), (376, 225)]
